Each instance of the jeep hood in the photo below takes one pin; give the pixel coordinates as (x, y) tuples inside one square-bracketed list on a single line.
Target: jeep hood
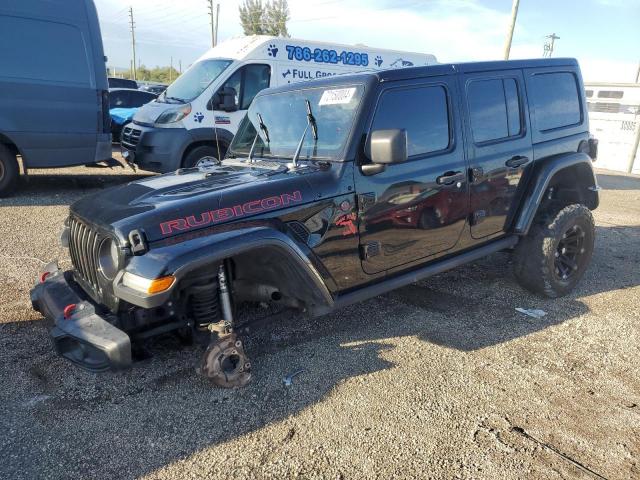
[(175, 203)]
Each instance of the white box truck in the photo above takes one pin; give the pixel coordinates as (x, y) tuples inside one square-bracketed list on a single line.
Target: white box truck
[(193, 121)]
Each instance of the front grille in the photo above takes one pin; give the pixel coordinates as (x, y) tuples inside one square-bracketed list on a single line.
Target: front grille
[(83, 248), (130, 137)]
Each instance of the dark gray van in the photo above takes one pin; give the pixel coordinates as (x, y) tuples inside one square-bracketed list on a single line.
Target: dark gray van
[(54, 101)]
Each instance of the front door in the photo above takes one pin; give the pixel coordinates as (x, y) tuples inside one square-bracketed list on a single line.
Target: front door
[(499, 146), (416, 209)]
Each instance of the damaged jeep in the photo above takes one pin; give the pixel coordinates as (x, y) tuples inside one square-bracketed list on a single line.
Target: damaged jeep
[(332, 192)]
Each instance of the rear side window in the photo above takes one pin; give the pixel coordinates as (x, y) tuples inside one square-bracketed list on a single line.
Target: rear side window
[(494, 109), (45, 50), (556, 100), (423, 112)]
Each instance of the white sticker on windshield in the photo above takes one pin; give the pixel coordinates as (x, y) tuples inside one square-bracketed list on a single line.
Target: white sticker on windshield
[(336, 97)]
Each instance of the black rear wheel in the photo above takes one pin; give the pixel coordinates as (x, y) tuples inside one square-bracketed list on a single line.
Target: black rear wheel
[(203, 156), (9, 171), (553, 257)]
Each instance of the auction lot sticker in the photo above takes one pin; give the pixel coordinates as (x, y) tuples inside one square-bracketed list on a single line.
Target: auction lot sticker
[(337, 97)]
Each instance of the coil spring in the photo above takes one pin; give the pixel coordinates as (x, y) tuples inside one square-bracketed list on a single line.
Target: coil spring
[(205, 305)]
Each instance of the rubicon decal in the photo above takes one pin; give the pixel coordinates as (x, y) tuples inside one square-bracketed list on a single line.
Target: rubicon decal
[(227, 213)]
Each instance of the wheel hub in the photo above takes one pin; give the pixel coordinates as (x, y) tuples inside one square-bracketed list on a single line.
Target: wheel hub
[(207, 162), (225, 363), (569, 252)]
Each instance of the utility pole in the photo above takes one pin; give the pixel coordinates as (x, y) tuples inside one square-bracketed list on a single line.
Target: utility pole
[(180, 67), (214, 22), (133, 41), (512, 26), (170, 69), (638, 74), (548, 47), (215, 39)]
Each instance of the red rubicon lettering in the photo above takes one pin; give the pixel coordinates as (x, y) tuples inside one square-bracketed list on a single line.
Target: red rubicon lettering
[(226, 213), (205, 219), (171, 225)]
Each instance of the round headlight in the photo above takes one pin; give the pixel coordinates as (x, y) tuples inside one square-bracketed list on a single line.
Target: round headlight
[(108, 258)]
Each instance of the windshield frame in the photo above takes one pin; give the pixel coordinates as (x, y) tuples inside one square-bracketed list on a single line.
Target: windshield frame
[(339, 155), (165, 96)]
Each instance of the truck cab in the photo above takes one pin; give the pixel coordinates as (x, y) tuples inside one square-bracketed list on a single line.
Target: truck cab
[(194, 120)]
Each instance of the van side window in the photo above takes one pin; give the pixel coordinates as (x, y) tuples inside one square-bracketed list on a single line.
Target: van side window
[(256, 78), (494, 109), (423, 112), (55, 52), (247, 82), (556, 100)]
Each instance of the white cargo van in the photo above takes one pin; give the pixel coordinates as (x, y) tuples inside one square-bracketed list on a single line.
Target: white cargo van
[(177, 130)]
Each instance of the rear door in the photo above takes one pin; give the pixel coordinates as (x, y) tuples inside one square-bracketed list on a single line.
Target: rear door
[(498, 146), (414, 210)]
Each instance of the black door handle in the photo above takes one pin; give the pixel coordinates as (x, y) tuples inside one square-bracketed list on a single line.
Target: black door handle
[(450, 177), (516, 161)]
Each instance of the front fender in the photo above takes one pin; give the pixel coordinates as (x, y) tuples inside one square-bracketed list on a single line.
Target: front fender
[(199, 252), (541, 177)]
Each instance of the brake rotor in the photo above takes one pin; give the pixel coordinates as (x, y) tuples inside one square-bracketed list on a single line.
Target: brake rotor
[(225, 363)]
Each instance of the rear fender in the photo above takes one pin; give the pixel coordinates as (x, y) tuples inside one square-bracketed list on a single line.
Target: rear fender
[(574, 166), (292, 265)]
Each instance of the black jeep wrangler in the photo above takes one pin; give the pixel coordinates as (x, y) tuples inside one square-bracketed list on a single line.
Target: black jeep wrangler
[(334, 191)]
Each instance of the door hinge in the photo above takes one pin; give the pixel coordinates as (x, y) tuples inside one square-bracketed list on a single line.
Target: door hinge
[(476, 174), (369, 250), (478, 217), (365, 200)]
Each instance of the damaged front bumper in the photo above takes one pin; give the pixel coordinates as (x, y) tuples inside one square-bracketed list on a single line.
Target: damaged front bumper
[(80, 333)]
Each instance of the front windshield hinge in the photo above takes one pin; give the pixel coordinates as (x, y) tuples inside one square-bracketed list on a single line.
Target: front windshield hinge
[(311, 122)]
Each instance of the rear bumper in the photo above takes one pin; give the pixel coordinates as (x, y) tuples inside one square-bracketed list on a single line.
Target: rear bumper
[(84, 336)]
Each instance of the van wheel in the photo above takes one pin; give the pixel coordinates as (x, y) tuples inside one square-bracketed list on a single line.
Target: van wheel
[(9, 171), (553, 257), (203, 156)]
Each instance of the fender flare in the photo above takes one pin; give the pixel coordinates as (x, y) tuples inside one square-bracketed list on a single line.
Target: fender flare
[(542, 174), (181, 259)]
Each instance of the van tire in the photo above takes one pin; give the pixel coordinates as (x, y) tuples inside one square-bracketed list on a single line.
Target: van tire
[(539, 257), (198, 153), (9, 171)]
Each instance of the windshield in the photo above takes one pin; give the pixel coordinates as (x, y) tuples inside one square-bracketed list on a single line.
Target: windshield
[(195, 80), (284, 117)]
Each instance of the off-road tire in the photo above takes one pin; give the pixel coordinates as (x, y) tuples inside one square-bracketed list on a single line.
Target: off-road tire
[(9, 171), (537, 255), (195, 155)]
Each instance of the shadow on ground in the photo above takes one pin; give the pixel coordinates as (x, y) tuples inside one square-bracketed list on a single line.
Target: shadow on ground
[(130, 423)]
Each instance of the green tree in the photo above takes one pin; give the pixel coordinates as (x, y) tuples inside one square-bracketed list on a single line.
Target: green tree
[(277, 17), (270, 18), (253, 17)]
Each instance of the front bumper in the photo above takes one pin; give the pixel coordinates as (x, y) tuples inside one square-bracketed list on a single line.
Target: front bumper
[(154, 149), (83, 336)]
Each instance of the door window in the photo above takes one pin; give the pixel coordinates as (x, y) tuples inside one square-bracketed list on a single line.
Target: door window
[(119, 99), (494, 109), (247, 82), (556, 100), (423, 112)]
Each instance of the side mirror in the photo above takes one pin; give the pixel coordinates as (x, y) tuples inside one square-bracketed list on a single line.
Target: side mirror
[(225, 99), (385, 147)]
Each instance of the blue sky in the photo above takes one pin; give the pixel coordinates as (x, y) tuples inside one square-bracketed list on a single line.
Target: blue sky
[(603, 34)]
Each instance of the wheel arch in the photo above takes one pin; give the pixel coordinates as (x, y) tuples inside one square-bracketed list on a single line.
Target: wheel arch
[(572, 173), (206, 137), (260, 256)]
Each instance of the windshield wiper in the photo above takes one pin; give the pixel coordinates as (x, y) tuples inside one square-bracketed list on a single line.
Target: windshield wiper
[(311, 121), (179, 100), (263, 127)]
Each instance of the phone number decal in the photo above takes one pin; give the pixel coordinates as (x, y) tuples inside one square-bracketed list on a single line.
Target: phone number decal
[(323, 55)]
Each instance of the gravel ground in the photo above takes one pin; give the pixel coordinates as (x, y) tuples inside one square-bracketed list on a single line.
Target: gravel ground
[(442, 379)]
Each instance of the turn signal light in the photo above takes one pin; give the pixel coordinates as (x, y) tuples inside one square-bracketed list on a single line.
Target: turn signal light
[(146, 285)]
